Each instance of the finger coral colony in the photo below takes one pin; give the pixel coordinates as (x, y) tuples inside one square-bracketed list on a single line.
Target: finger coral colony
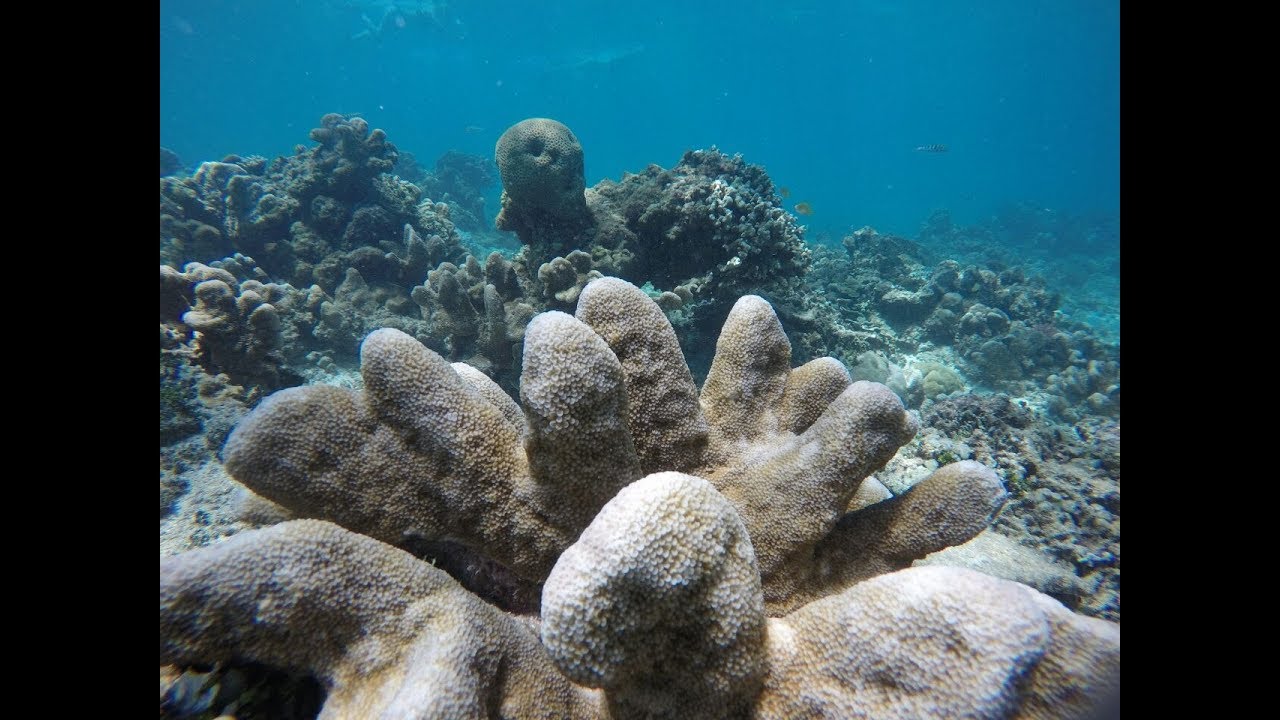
[(595, 478)]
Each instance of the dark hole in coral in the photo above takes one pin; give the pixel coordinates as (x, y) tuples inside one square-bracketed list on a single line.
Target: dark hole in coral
[(492, 581), (249, 691), (536, 146)]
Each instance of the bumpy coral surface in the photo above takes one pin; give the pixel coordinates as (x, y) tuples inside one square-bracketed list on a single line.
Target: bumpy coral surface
[(419, 453), (388, 635), (656, 611), (712, 216), (653, 512), (541, 164)]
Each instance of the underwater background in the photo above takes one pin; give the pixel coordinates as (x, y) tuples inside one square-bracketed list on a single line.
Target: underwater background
[(832, 98), (927, 191)]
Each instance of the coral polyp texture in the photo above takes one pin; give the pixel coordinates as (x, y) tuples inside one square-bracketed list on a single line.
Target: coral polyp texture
[(701, 554), (656, 611), (424, 453), (387, 634), (541, 164)]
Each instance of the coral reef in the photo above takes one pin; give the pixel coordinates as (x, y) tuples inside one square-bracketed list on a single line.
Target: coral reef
[(656, 611), (608, 398), (706, 231), (649, 532), (232, 327), (1064, 483), (320, 224), (1003, 328), (479, 313), (541, 164), (712, 217), (226, 318), (292, 213), (459, 180), (659, 588), (659, 584), (357, 250)]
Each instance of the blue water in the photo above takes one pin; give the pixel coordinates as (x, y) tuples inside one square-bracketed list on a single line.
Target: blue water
[(831, 97)]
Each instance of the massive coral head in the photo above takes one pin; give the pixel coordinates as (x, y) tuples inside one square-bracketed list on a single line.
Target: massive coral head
[(543, 183)]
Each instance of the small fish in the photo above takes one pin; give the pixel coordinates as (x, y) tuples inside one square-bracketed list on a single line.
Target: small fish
[(472, 129), (932, 148), (784, 192), (804, 208)]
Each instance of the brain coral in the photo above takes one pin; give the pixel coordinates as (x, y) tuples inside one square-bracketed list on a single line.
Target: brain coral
[(674, 531), (540, 161)]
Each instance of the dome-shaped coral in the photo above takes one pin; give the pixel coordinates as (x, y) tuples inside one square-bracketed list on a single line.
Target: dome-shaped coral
[(541, 164)]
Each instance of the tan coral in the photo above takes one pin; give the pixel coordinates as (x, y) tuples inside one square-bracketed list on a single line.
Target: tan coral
[(788, 447), (419, 453), (939, 642), (754, 571), (606, 398), (659, 605), (541, 164), (388, 635)]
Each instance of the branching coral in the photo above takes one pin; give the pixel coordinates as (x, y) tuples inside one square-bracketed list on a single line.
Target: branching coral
[(388, 635), (658, 605), (659, 583), (607, 397)]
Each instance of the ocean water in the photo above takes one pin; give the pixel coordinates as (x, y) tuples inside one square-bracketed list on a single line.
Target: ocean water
[(831, 97)]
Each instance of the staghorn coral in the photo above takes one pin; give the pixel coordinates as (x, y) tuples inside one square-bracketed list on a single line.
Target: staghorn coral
[(607, 398), (656, 611)]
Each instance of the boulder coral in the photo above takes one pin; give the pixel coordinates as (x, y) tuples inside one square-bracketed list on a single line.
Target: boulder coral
[(543, 182), (698, 550)]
